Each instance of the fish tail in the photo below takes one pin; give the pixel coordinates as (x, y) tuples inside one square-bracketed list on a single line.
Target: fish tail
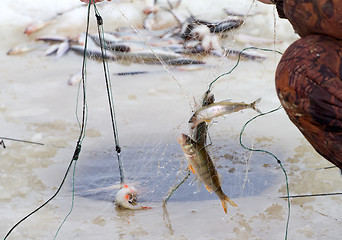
[(253, 105), (225, 205)]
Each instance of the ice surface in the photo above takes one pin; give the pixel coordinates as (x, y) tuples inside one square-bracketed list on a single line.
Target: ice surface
[(37, 104)]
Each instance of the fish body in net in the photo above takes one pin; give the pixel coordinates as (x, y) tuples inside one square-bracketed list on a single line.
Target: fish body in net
[(207, 113), (201, 164)]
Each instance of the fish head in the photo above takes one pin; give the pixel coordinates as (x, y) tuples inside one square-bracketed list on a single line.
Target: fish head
[(126, 196), (34, 27), (187, 144)]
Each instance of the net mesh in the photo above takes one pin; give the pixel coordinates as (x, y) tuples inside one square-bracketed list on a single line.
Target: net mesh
[(157, 84)]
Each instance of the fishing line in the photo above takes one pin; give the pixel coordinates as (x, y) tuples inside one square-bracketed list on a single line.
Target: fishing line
[(72, 201), (109, 90), (172, 190), (275, 157), (20, 140), (77, 149), (313, 195), (84, 118), (237, 63), (205, 97), (156, 55)]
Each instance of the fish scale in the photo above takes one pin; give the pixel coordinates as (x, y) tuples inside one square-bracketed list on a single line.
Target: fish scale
[(214, 110), (201, 164)]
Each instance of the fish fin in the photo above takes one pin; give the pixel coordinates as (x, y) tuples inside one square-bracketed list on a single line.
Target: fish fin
[(225, 205), (253, 105), (209, 190), (207, 120), (192, 169), (145, 208), (230, 201)]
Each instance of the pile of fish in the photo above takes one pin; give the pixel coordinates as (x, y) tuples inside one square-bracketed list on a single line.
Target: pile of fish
[(196, 154), (181, 44)]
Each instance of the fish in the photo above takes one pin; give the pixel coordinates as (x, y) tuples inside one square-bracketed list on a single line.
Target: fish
[(52, 39), (75, 78), (183, 61), (93, 52), (203, 167), (40, 24), (107, 38), (51, 50), (126, 198), (63, 48), (207, 113), (215, 26), (224, 26), (22, 48), (200, 132), (153, 55), (35, 27)]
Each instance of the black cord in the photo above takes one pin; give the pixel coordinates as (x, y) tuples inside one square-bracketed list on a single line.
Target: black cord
[(109, 92), (78, 145)]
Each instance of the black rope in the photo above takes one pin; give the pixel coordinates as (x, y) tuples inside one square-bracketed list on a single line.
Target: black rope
[(109, 92), (313, 195), (77, 149), (49, 200)]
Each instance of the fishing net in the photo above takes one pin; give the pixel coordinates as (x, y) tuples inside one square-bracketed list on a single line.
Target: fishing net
[(156, 85)]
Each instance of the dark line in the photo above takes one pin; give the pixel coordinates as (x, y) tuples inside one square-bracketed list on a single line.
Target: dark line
[(23, 141), (325, 168), (313, 195), (43, 205), (109, 92)]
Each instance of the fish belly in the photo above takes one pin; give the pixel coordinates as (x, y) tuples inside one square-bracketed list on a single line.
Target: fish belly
[(205, 171)]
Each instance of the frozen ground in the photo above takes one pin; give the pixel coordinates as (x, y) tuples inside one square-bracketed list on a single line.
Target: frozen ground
[(36, 104)]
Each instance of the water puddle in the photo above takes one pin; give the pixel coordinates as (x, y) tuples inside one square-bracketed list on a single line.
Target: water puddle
[(154, 170)]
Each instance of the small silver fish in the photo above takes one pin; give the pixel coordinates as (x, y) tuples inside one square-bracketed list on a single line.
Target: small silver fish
[(22, 48), (75, 78), (201, 164), (93, 52), (36, 26), (207, 113), (63, 48), (183, 61), (52, 39), (200, 132), (51, 50)]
